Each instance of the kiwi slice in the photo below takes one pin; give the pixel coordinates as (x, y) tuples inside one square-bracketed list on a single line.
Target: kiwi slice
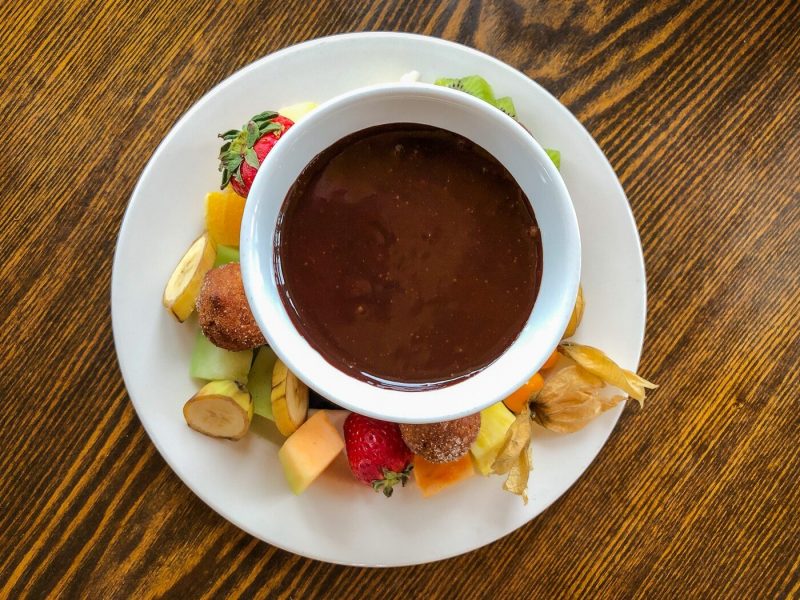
[(506, 104), (477, 86), (474, 85), (555, 156)]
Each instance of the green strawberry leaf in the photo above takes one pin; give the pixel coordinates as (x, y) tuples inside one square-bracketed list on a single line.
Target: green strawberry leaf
[(238, 145), (251, 158), (269, 128), (267, 115), (233, 163), (252, 134)]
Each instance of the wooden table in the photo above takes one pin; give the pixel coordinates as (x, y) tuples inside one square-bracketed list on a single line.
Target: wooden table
[(697, 106)]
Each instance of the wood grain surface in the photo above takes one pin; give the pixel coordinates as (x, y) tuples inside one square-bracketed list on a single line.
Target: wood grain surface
[(696, 104)]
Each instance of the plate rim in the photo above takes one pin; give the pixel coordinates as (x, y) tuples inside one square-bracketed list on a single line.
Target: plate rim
[(124, 232)]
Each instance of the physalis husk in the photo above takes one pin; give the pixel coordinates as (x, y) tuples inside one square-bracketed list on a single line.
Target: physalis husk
[(597, 363), (570, 399), (514, 457)]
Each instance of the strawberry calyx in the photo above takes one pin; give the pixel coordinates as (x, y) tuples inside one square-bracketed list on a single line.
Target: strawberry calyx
[(238, 145), (391, 479)]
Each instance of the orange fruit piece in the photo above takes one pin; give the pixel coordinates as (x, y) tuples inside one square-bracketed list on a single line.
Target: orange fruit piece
[(551, 361), (517, 400), (224, 211), (432, 478)]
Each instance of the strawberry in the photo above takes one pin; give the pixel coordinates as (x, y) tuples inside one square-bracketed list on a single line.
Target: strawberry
[(377, 453), (245, 149)]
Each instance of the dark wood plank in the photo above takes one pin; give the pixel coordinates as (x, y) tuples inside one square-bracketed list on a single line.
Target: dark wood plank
[(697, 105)]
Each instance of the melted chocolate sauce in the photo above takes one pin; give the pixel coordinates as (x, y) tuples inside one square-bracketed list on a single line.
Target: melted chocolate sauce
[(408, 256)]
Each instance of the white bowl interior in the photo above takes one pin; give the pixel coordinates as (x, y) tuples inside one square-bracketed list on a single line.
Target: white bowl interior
[(497, 133)]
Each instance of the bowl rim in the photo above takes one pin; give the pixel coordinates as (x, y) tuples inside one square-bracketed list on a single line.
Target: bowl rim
[(418, 406)]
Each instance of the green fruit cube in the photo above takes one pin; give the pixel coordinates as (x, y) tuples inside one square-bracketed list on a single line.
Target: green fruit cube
[(213, 363)]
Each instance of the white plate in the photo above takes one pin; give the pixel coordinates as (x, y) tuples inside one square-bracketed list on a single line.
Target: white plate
[(338, 519)]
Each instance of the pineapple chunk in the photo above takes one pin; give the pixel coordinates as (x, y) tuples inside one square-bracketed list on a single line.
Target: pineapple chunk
[(297, 112), (495, 422)]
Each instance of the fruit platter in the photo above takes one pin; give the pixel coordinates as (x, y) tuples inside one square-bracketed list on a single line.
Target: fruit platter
[(277, 458)]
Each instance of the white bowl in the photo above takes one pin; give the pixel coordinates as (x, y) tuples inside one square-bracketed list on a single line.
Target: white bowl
[(509, 143)]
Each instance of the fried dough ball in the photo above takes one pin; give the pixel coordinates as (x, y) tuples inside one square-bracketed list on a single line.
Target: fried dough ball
[(224, 313), (442, 442)]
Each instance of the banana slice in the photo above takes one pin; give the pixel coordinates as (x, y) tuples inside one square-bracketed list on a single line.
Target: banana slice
[(220, 409), (184, 283), (289, 399), (577, 315)]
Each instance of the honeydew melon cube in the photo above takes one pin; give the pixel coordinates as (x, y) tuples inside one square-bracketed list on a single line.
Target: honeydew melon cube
[(259, 381), (225, 255), (212, 363)]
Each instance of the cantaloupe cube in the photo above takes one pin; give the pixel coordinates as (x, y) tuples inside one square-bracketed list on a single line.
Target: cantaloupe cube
[(308, 451), (432, 478), (224, 211)]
